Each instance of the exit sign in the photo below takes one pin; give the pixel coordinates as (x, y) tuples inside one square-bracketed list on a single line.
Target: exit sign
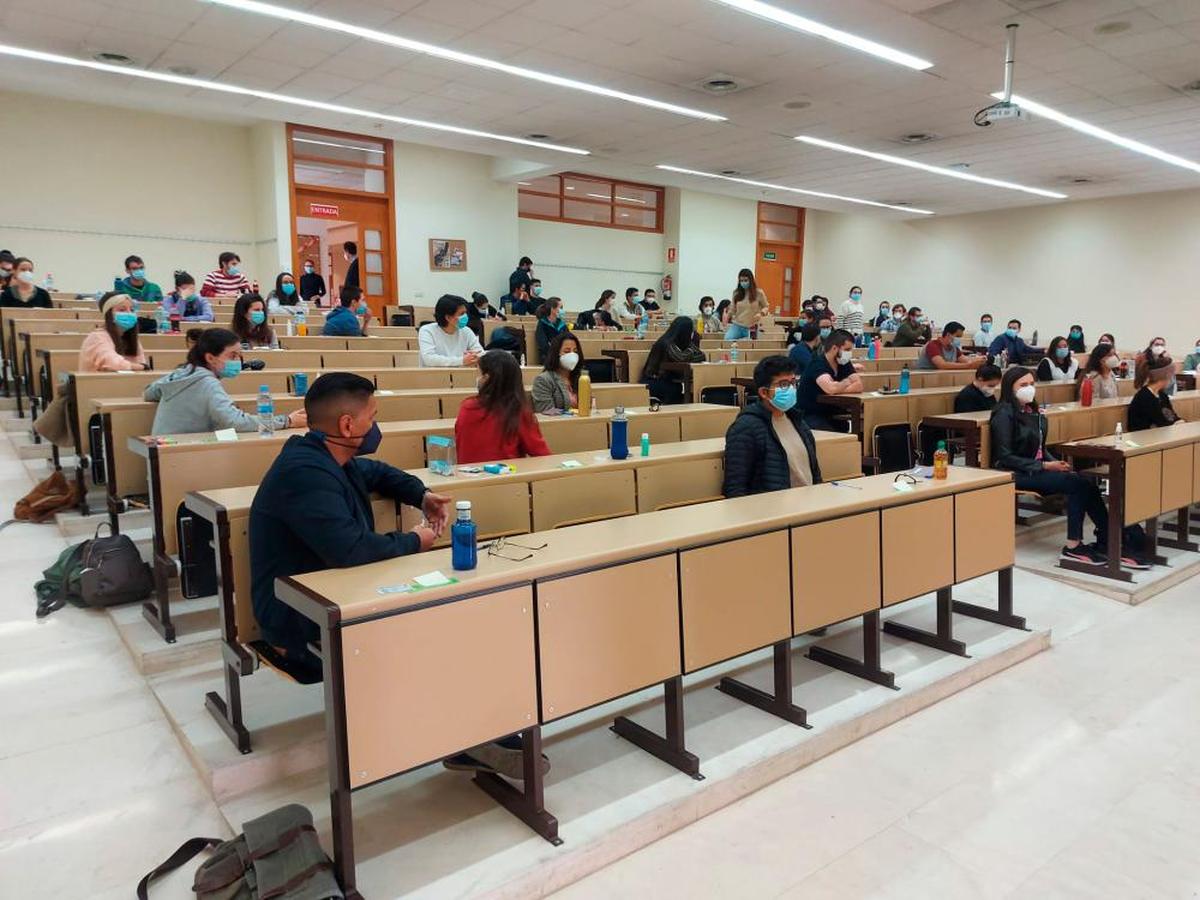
[(324, 210), (769, 255)]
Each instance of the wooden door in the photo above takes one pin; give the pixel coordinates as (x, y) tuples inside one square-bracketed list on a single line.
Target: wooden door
[(364, 220), (777, 273)]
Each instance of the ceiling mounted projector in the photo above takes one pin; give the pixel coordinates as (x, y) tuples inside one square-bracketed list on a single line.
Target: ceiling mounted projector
[(1004, 110)]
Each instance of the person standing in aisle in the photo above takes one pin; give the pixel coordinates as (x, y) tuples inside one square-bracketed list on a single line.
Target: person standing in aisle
[(749, 305), (850, 317)]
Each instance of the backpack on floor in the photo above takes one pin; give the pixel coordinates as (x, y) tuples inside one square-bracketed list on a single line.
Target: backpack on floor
[(99, 572), (51, 495), (277, 856)]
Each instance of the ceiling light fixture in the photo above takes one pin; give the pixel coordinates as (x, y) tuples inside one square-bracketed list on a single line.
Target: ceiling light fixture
[(817, 29), (924, 167), (165, 78), (470, 59), (794, 190), (1082, 127)]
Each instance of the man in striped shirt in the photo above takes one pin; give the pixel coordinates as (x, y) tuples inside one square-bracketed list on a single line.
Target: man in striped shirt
[(227, 280)]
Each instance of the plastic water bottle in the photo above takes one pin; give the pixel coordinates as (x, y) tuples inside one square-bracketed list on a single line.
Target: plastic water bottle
[(163, 321), (301, 323), (645, 444), (1119, 435), (266, 412), (905, 376), (48, 284), (871, 350), (464, 551), (941, 461), (619, 448), (733, 353)]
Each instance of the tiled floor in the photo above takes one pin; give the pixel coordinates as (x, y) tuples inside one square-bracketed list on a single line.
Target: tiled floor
[(1069, 775)]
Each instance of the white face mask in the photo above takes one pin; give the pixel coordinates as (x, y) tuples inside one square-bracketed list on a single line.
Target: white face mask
[(1158, 349), (1114, 362), (25, 277), (845, 356), (988, 390), (569, 361), (899, 317), (1026, 394)]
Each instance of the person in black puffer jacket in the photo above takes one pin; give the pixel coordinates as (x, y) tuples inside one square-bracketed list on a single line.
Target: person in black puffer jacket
[(768, 447)]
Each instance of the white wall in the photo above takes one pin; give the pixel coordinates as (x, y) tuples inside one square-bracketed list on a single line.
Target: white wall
[(87, 185), (272, 214), (1128, 265), (447, 194), (578, 262), (717, 237)]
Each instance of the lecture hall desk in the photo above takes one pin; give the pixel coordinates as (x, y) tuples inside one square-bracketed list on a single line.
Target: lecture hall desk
[(591, 613), (1149, 473), (178, 464), (539, 495)]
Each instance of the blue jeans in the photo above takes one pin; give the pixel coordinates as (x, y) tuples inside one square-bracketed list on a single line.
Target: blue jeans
[(736, 332)]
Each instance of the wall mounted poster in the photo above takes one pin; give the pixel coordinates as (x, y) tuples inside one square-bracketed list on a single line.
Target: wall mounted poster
[(446, 255)]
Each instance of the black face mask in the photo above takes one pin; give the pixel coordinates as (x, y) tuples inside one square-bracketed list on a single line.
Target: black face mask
[(371, 439)]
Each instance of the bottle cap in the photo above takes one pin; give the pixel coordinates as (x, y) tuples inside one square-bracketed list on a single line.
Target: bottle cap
[(941, 445), (462, 505), (645, 436), (263, 387)]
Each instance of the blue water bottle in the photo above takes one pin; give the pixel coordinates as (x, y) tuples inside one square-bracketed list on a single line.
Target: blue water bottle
[(904, 377), (871, 350), (619, 448), (464, 554)]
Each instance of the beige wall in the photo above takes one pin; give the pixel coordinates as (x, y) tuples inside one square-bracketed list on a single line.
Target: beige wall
[(87, 185), (1128, 265), (717, 237)]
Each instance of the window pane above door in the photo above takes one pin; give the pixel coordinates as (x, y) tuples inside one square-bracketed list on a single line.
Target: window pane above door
[(331, 175)]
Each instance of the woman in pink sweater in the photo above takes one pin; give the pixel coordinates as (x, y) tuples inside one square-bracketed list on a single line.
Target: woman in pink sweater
[(115, 347)]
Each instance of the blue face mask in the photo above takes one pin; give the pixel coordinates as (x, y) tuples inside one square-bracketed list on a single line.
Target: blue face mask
[(232, 368), (856, 296), (985, 327), (1062, 352), (234, 270), (139, 274), (784, 397), (826, 332), (362, 309), (288, 289), (1011, 332), (125, 320), (744, 285), (1076, 334), (257, 316), (462, 321), (956, 343)]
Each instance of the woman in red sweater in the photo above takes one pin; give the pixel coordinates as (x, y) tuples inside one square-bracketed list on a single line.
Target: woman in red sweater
[(499, 422)]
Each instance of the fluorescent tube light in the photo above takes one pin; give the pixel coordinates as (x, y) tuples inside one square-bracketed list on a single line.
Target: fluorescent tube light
[(794, 190), (936, 170), (300, 140), (1094, 131), (185, 81), (470, 59), (817, 29)]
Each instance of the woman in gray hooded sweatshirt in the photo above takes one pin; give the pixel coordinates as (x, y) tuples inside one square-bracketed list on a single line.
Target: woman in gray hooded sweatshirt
[(192, 400)]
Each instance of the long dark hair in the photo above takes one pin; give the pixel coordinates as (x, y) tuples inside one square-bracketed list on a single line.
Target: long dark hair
[(1099, 353), (126, 342), (543, 311), (247, 331), (1064, 364), (680, 333), (554, 354), (214, 341), (606, 295), (1144, 362), (503, 393), (285, 299), (1011, 377), (719, 312), (750, 293)]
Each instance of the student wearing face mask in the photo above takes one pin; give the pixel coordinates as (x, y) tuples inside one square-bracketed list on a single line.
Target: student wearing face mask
[(312, 285), (1058, 364), (185, 304), (806, 348), (851, 317), (283, 297), (1075, 339), (709, 322), (134, 285), (1018, 434), (1148, 359), (499, 422), (897, 318), (630, 312), (192, 399), (914, 331), (983, 337), (448, 341), (824, 325), (343, 319), (769, 446), (7, 261), (650, 303), (312, 511), (602, 312), (830, 372), (1192, 360), (885, 313), (250, 323), (227, 279), (555, 390), (1101, 373), (980, 394), (749, 305), (551, 323), (1151, 405), (21, 292), (946, 352), (1010, 343), (114, 347)]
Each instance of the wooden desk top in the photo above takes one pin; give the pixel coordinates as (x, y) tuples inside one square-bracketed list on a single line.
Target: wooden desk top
[(1135, 443), (951, 419), (355, 592)]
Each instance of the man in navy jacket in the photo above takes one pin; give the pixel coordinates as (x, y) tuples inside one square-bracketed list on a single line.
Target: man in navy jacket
[(1009, 341), (313, 510)]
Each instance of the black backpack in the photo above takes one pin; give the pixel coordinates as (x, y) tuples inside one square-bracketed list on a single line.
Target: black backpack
[(99, 572)]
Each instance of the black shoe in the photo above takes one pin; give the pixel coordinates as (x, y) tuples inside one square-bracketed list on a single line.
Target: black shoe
[(1084, 555), (1131, 560)]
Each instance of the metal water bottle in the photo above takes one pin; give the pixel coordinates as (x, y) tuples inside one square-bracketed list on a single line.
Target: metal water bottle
[(619, 447)]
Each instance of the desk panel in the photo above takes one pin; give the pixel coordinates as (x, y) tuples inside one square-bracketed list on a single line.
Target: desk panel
[(679, 483), (499, 510), (721, 619), (475, 655), (825, 592), (663, 428), (583, 498), (918, 548), (1106, 418), (412, 379), (577, 436), (706, 425), (605, 633), (1196, 473), (1143, 487), (1177, 478), (980, 546)]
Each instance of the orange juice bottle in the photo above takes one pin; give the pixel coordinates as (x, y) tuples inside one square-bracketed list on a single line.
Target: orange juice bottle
[(941, 461)]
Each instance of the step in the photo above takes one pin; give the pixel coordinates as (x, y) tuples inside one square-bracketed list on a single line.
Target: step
[(197, 630), (138, 525)]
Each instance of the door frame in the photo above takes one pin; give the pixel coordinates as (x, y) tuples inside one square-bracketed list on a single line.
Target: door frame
[(762, 244), (391, 282)]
